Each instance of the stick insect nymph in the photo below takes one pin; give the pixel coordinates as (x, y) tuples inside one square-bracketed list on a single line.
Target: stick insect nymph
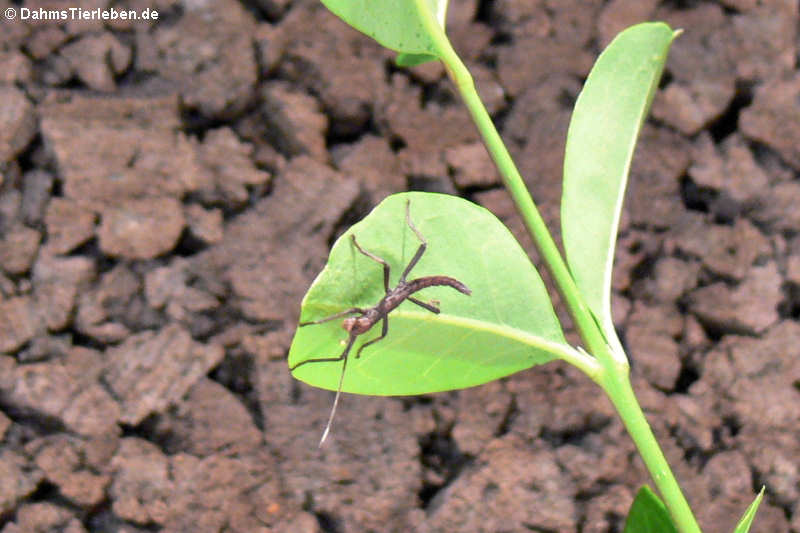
[(368, 317)]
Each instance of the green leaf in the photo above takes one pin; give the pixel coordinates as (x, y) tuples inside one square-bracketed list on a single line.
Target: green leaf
[(648, 514), (747, 519), (600, 142), (405, 26), (506, 325), (412, 60)]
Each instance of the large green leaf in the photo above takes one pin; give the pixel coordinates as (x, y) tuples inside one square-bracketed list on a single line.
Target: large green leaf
[(401, 25), (602, 135), (506, 325), (747, 519), (648, 514)]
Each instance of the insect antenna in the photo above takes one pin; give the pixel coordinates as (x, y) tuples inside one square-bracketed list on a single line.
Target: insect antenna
[(338, 391)]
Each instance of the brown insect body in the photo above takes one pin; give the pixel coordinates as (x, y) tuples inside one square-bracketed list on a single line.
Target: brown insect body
[(362, 324), (358, 325)]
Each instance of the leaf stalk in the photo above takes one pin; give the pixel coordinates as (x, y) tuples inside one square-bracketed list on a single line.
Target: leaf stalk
[(613, 374)]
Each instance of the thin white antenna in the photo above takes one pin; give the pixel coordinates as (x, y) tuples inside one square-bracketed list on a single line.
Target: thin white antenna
[(338, 393)]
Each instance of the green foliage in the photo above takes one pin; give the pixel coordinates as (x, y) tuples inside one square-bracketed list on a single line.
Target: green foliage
[(602, 136), (506, 325), (412, 60), (747, 519), (405, 26), (648, 514)]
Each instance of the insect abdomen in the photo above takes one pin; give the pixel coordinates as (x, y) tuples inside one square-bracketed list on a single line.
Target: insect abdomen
[(431, 281)]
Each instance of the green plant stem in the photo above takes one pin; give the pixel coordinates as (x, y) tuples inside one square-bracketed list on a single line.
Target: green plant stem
[(612, 374), (617, 386), (533, 221)]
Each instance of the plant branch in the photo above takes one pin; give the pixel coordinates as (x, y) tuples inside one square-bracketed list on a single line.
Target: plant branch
[(617, 386), (545, 245), (613, 374)]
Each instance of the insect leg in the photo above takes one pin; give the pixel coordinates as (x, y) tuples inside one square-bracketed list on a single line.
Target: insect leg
[(384, 331), (386, 268), (430, 306), (350, 342), (334, 317), (420, 250)]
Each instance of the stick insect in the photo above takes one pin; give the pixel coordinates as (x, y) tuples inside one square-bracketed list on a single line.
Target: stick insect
[(368, 317)]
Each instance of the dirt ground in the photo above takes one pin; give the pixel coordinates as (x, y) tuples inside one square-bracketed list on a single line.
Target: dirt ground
[(169, 189)]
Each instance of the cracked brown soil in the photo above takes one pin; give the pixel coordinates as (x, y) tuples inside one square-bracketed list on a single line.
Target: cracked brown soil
[(169, 189)]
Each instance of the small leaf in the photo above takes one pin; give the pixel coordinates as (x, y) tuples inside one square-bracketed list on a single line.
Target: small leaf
[(600, 142), (507, 324), (648, 514), (412, 60), (401, 25), (747, 519)]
